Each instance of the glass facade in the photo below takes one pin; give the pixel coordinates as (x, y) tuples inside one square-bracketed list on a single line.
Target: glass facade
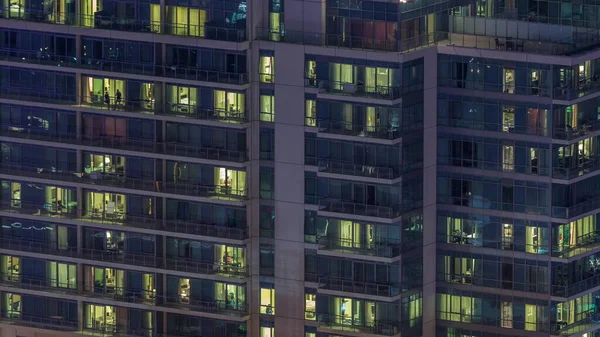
[(278, 169)]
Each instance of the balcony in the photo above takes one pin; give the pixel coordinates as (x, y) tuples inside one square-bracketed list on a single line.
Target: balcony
[(380, 249), (176, 302), (126, 144), (588, 319), (350, 129), (557, 46), (586, 166), (120, 181), (581, 130), (392, 95), (581, 206), (349, 286), (336, 206), (337, 167), (169, 71), (133, 105), (578, 287), (125, 24), (36, 209), (585, 87), (348, 324), (584, 244), (37, 284), (116, 256), (40, 322)]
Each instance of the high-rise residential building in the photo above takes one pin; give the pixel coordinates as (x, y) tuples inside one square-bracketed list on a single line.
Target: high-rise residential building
[(300, 168)]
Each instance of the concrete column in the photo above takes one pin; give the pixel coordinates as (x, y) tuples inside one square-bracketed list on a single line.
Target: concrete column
[(79, 124), (289, 190), (429, 192), (79, 161)]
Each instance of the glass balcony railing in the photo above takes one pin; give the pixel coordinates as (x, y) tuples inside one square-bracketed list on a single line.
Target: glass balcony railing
[(337, 167), (351, 324), (169, 71), (121, 181), (381, 249), (131, 105), (356, 89), (587, 166), (583, 88), (337, 206), (576, 288), (126, 24), (34, 283), (349, 286), (482, 281), (535, 46), (584, 244), (176, 302), (136, 259), (585, 321), (126, 144), (349, 129), (589, 204), (89, 217), (581, 130)]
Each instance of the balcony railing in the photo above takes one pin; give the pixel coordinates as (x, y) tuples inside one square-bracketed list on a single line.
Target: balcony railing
[(136, 105), (357, 89), (177, 302), (589, 165), (584, 243), (584, 87), (125, 24), (187, 227), (39, 322), (120, 181), (117, 256), (36, 283), (585, 321), (560, 47), (348, 286), (576, 288), (349, 323), (581, 130), (337, 167), (382, 249), (170, 71), (349, 129), (583, 206), (126, 144), (336, 206), (482, 281)]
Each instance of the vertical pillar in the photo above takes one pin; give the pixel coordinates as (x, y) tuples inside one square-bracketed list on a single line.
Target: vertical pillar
[(429, 191)]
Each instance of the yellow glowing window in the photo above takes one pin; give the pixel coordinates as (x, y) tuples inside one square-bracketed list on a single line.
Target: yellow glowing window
[(267, 331), (267, 301), (267, 108), (311, 113), (310, 310), (267, 69)]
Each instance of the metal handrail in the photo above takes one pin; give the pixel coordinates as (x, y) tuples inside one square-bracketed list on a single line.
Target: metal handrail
[(126, 144), (126, 24), (180, 226), (376, 289), (338, 167), (113, 180)]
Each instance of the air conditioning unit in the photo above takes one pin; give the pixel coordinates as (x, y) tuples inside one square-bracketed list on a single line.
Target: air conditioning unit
[(349, 88)]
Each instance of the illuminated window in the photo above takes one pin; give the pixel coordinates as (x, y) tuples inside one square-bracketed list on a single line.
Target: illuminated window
[(267, 331), (267, 108), (230, 182), (229, 103), (311, 113), (99, 317), (230, 296), (310, 307), (11, 304), (509, 81), (267, 69), (508, 119), (508, 158), (185, 21), (62, 275), (109, 92), (10, 267), (267, 301), (110, 205), (182, 99)]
